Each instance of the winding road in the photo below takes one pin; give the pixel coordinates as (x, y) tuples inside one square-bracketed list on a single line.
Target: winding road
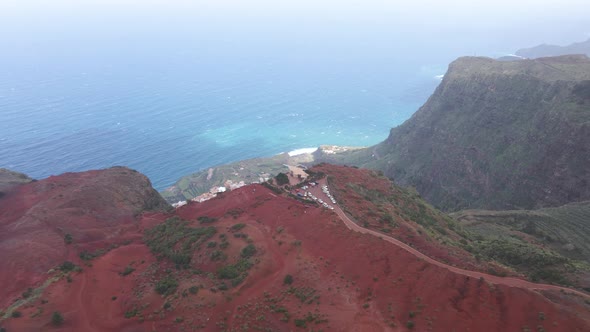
[(508, 281)]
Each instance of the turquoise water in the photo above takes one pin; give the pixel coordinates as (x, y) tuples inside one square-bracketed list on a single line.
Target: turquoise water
[(174, 122), (170, 91)]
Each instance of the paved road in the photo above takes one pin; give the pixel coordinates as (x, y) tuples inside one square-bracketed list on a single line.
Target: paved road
[(508, 281)]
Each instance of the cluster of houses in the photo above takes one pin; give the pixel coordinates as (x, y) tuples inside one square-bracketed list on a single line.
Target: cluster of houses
[(228, 185)]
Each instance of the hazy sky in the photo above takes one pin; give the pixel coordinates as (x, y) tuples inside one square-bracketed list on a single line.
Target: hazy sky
[(453, 27), (449, 16)]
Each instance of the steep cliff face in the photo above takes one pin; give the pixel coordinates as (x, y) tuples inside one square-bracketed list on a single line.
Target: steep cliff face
[(497, 135)]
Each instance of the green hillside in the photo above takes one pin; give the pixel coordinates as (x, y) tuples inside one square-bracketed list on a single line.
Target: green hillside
[(495, 135)]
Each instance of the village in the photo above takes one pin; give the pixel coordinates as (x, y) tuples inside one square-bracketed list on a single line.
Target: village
[(297, 185)]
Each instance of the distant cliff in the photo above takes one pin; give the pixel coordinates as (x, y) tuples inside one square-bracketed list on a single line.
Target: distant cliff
[(545, 50), (496, 135)]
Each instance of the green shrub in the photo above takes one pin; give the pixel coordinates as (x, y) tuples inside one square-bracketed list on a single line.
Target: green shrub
[(237, 227), (410, 324), (67, 266), (57, 318), (68, 238), (131, 313), (234, 212), (206, 220), (218, 255), (228, 272), (288, 279), (249, 251), (128, 270), (166, 286), (193, 290), (237, 272), (16, 314), (282, 179), (28, 293)]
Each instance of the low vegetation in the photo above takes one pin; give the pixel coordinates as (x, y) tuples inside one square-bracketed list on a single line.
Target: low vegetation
[(128, 270), (206, 220), (237, 227), (67, 266), (57, 318), (235, 272), (546, 244), (68, 238), (288, 279), (176, 241), (166, 285), (282, 179)]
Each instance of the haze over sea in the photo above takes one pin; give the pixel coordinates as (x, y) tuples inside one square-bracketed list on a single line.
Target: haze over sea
[(169, 89)]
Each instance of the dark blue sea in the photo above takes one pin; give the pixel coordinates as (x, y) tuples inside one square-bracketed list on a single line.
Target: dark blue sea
[(172, 93)]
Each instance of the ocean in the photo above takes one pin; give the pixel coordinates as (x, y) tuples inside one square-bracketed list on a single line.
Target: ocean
[(188, 117), (169, 94)]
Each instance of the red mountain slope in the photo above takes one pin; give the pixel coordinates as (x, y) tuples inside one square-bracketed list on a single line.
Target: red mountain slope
[(341, 280)]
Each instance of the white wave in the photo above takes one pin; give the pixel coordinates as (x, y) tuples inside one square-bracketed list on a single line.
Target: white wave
[(301, 151), (439, 77)]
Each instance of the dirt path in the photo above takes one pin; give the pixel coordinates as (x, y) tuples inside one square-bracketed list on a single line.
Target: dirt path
[(508, 281), (82, 304)]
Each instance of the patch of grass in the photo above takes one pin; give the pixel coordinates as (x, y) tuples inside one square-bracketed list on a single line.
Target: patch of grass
[(176, 241), (306, 295), (87, 256), (206, 220), (234, 212)]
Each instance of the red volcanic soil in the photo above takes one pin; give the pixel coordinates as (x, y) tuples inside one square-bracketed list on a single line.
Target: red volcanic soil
[(367, 197), (96, 208), (342, 281)]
